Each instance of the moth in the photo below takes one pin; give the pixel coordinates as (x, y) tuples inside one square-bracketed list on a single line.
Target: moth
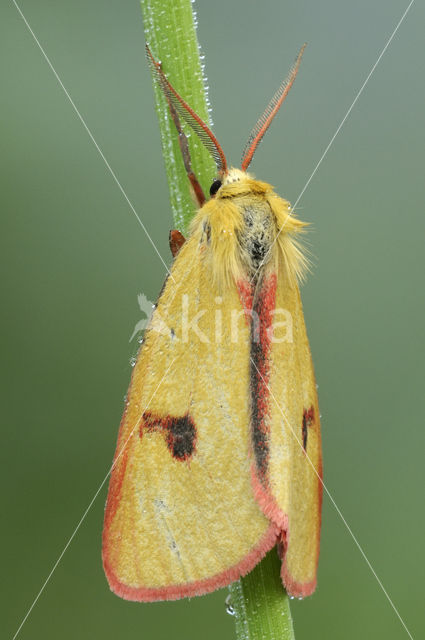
[(218, 457)]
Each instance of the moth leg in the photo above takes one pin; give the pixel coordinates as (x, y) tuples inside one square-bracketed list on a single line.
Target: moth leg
[(195, 188), (176, 240)]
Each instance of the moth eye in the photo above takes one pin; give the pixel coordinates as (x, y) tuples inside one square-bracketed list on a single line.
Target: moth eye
[(215, 187)]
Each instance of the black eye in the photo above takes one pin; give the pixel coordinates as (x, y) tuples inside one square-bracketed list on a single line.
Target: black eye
[(215, 187)]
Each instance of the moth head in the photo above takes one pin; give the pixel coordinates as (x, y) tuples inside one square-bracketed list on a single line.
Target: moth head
[(180, 109), (234, 175), (231, 175)]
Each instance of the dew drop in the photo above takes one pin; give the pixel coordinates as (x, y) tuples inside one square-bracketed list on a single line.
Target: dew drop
[(229, 607), (133, 361), (140, 339), (291, 597)]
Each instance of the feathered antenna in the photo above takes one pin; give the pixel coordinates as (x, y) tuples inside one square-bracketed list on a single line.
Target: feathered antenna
[(272, 108), (185, 112)]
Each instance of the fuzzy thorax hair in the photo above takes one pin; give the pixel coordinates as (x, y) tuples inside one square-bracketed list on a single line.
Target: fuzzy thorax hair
[(247, 228)]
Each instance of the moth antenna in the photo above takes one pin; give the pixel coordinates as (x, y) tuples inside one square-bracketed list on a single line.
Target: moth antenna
[(202, 130), (269, 113)]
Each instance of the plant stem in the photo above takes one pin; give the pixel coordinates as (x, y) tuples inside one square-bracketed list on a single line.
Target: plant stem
[(259, 602), (170, 31)]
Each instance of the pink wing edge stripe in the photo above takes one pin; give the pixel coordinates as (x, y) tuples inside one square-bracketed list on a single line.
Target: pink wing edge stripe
[(196, 588), (273, 512)]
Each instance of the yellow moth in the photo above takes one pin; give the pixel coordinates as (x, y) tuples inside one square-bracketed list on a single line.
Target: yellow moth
[(219, 454)]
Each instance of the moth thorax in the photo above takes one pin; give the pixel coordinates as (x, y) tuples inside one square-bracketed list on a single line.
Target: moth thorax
[(256, 237)]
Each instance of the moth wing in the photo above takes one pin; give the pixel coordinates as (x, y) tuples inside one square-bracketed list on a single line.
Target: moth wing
[(287, 474), (181, 518)]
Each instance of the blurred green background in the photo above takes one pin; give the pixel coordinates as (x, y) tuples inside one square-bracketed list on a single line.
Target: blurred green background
[(74, 259)]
